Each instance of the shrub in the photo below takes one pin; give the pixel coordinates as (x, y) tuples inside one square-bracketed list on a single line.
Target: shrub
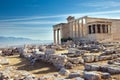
[(66, 39)]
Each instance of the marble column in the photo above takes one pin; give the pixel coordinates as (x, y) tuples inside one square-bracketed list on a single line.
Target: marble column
[(58, 37), (71, 29), (82, 28), (78, 29), (61, 35), (75, 29), (54, 36), (69, 25)]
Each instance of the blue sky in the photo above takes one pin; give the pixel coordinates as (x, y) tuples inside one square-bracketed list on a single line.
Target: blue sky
[(34, 18)]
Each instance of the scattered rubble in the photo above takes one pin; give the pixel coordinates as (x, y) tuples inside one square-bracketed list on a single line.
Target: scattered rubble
[(105, 75), (64, 72), (112, 69), (90, 56), (73, 75), (92, 76)]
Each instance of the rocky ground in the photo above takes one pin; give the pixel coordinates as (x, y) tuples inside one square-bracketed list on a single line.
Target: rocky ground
[(16, 64), (86, 62)]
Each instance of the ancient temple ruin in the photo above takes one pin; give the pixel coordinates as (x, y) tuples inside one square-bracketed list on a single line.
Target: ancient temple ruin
[(87, 29)]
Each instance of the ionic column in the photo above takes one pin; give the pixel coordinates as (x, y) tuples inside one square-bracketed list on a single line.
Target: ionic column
[(58, 36), (73, 26), (78, 29), (71, 29), (82, 27), (54, 36), (69, 24), (61, 35), (75, 29)]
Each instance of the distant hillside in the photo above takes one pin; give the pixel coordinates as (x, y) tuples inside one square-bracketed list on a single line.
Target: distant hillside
[(10, 41)]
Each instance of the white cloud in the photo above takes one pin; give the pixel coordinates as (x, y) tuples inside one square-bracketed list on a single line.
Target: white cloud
[(25, 21), (33, 18), (30, 23), (36, 22), (98, 13), (58, 16), (102, 4)]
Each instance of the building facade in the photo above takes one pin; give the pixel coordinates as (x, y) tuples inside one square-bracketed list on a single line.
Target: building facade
[(87, 29)]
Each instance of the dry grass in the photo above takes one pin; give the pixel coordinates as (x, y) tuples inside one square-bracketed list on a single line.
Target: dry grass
[(61, 51)]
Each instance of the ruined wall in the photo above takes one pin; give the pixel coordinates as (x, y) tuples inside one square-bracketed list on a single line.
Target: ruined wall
[(99, 37)]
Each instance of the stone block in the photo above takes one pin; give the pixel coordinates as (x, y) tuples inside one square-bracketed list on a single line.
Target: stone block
[(64, 72), (92, 76)]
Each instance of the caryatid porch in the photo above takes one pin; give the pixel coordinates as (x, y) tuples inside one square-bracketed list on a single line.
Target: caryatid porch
[(99, 27)]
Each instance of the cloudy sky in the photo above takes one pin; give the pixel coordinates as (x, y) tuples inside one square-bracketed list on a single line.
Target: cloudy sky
[(34, 18)]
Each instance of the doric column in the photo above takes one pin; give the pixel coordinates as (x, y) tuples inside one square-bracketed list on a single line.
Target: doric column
[(54, 36), (58, 36)]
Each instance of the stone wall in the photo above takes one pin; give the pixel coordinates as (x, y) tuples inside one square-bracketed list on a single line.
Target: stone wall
[(65, 31), (115, 30)]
